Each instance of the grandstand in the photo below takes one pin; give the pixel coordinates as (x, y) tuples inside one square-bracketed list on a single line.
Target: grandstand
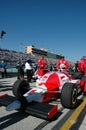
[(10, 56)]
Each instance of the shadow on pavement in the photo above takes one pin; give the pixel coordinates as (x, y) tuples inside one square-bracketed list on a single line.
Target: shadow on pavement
[(11, 119), (4, 86)]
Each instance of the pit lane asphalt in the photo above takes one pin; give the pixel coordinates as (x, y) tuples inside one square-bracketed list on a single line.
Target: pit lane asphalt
[(64, 120)]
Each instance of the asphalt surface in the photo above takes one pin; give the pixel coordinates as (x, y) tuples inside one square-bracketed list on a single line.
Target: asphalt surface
[(65, 119)]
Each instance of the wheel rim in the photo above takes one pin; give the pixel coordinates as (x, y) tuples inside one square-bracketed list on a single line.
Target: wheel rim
[(74, 97)]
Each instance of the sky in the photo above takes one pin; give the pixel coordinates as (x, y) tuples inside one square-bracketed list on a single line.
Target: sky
[(56, 25)]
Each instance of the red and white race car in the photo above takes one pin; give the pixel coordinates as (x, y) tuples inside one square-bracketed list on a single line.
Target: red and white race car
[(51, 86)]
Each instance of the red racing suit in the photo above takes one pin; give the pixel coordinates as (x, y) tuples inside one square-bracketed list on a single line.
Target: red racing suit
[(82, 66), (42, 67), (42, 63)]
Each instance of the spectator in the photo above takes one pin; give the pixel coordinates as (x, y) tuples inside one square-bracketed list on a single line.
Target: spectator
[(3, 69), (51, 67), (28, 69), (76, 66), (20, 67)]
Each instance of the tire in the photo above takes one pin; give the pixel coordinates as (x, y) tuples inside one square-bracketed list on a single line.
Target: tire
[(20, 87), (69, 95)]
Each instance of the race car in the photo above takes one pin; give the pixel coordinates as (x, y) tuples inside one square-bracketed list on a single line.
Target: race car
[(51, 86)]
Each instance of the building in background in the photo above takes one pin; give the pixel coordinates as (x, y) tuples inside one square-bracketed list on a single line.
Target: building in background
[(42, 52)]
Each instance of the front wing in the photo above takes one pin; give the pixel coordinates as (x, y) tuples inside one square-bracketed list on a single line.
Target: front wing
[(39, 109)]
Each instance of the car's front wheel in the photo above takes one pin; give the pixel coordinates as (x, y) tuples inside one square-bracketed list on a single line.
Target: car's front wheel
[(69, 95)]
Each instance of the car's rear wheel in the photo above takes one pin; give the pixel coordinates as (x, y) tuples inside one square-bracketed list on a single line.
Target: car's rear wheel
[(20, 87), (69, 95)]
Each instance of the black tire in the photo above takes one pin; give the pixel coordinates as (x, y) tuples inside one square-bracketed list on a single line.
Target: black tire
[(20, 87), (69, 95)]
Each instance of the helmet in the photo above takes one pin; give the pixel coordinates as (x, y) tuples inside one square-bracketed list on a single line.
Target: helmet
[(62, 66)]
